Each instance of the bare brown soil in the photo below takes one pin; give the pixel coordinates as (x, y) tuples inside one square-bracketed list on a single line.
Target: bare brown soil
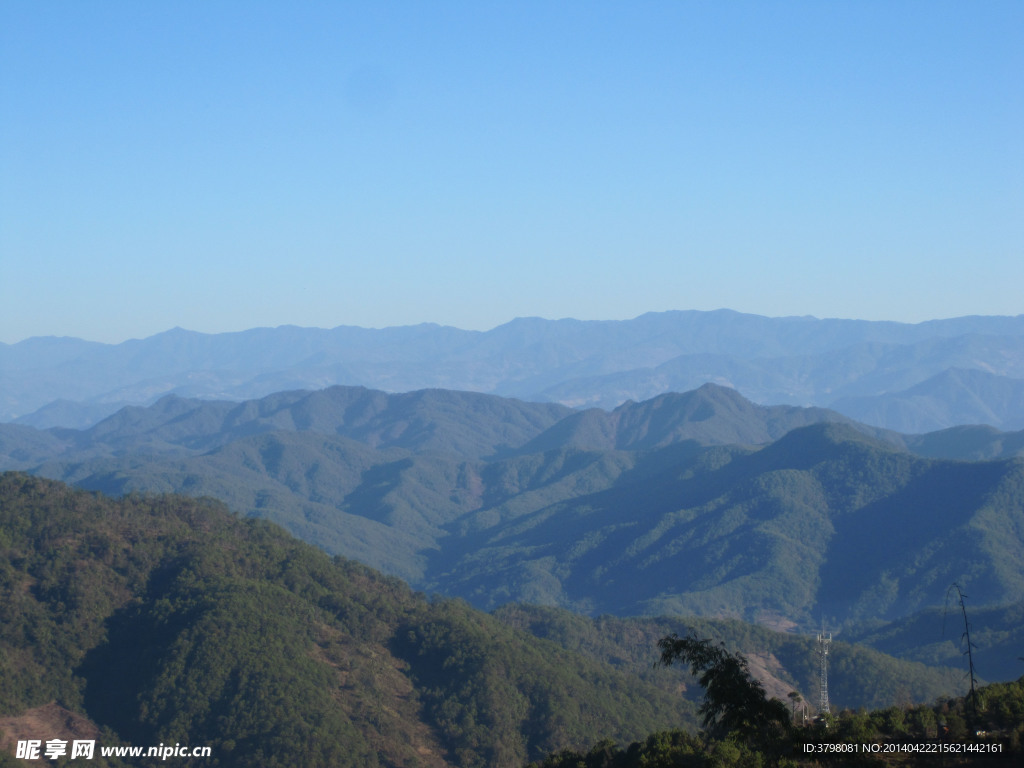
[(50, 721)]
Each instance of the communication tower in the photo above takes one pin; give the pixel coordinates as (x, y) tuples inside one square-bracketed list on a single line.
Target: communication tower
[(824, 640)]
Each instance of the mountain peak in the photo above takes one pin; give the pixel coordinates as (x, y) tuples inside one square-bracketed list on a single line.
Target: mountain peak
[(806, 446)]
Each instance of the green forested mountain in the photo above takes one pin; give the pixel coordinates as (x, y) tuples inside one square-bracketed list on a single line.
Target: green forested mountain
[(975, 731), (859, 676), (709, 415), (822, 523), (165, 619), (976, 442), (935, 636), (459, 423), (645, 510)]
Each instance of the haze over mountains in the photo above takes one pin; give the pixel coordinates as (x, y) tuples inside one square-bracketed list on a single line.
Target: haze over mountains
[(698, 502), (906, 377), (657, 502)]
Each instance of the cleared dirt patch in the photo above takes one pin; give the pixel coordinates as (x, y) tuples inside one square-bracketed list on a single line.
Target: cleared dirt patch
[(50, 721)]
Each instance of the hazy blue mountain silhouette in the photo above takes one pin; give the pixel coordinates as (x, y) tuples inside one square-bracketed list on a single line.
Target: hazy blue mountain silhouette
[(792, 360), (955, 396)]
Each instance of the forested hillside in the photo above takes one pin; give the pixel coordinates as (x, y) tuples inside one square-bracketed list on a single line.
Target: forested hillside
[(700, 502), (824, 522), (859, 676), (150, 619), (165, 619), (975, 732)]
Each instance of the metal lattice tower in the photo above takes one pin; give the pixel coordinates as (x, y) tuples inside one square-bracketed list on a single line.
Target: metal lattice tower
[(824, 640)]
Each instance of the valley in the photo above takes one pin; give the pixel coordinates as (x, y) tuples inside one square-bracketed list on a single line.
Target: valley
[(557, 545), (699, 503)]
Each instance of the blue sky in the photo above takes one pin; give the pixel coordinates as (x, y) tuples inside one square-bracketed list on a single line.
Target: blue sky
[(220, 166)]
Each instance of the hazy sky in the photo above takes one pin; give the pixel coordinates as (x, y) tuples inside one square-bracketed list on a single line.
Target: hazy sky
[(224, 165)]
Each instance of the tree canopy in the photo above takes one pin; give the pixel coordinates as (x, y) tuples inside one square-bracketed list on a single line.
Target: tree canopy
[(734, 703)]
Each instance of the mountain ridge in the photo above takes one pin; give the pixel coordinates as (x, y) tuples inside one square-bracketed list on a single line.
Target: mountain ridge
[(686, 502), (166, 619), (943, 401), (797, 361)]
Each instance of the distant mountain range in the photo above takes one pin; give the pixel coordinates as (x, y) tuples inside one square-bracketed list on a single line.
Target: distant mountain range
[(700, 502), (955, 396), (906, 377), (593, 485)]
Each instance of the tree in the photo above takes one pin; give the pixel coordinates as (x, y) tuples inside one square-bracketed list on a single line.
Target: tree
[(734, 703), (795, 698)]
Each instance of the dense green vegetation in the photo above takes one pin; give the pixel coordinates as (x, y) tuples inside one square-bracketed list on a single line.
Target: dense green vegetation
[(164, 619), (934, 636), (639, 511), (735, 703), (823, 523), (178, 618), (993, 735), (858, 676), (168, 619)]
